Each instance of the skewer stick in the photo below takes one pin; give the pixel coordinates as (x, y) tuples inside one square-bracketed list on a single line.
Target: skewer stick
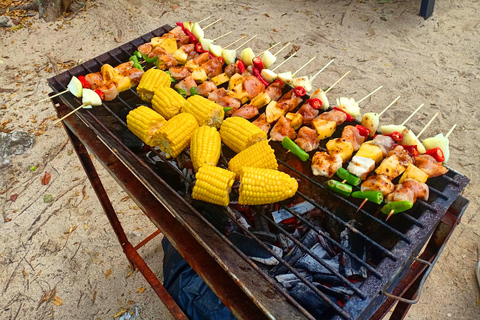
[(368, 95), (390, 214), (246, 42), (204, 19), (336, 82), (306, 64), (281, 49), (211, 24), (293, 55), (413, 113), (231, 44), (55, 95), (70, 113), (276, 44), (391, 104), (428, 124), (362, 204), (223, 35), (320, 71), (451, 130)]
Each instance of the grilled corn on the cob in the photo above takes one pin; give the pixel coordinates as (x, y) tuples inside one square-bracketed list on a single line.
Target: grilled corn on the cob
[(174, 136), (213, 185), (152, 80), (167, 102), (144, 123), (238, 133), (205, 111), (205, 147), (264, 186), (259, 155)]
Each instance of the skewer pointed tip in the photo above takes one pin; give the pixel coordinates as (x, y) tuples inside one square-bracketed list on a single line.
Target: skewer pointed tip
[(390, 214), (362, 204)]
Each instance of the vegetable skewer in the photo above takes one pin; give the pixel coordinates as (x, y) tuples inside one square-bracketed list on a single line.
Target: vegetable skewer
[(211, 24), (231, 44)]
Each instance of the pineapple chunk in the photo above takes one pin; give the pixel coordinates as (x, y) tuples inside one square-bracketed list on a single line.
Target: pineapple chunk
[(108, 72), (221, 78), (240, 95), (156, 41), (180, 56), (296, 120), (123, 83), (191, 66), (169, 45), (390, 167), (199, 75), (235, 80), (324, 128), (273, 112), (413, 172), (372, 151), (261, 100), (341, 148)]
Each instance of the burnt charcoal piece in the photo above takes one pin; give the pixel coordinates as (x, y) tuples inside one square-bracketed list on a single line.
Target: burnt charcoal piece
[(299, 208), (289, 280), (339, 293), (308, 240), (214, 214), (327, 278), (308, 263), (356, 244), (132, 141), (266, 236), (253, 250), (310, 300), (166, 172)]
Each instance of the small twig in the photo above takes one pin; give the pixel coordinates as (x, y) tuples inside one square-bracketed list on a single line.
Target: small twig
[(76, 251), (80, 299), (18, 311)]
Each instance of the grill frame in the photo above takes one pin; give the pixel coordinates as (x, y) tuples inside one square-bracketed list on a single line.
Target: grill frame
[(455, 186)]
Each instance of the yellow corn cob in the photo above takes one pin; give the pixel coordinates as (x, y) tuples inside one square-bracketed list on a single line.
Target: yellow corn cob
[(174, 136), (144, 123), (167, 102), (264, 186), (205, 147), (151, 80), (260, 155), (207, 112), (213, 185), (238, 133)]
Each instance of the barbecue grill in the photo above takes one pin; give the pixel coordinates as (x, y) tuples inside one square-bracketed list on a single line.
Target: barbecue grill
[(369, 263)]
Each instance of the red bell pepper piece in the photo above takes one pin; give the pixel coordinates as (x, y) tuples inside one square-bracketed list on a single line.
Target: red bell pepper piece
[(364, 132), (257, 63), (349, 117), (100, 94), (412, 149), (437, 153), (240, 66), (300, 91), (257, 74), (84, 82), (220, 60), (315, 103), (396, 136)]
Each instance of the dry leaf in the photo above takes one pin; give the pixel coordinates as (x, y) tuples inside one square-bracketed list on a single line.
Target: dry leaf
[(84, 192), (46, 178), (125, 198), (140, 290), (71, 230), (120, 313), (108, 273), (14, 197), (47, 198), (129, 274), (48, 296), (85, 226), (275, 30), (25, 273), (57, 301)]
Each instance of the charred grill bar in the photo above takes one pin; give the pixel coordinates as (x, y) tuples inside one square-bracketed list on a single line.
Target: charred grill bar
[(324, 239)]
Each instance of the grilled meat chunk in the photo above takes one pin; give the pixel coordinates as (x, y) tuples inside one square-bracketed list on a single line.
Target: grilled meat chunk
[(307, 139), (325, 165), (378, 183), (262, 123), (430, 166), (403, 156), (247, 112), (338, 116), (282, 129)]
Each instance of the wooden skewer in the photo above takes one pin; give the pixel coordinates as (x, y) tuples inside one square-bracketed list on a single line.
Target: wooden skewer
[(211, 24), (428, 124), (362, 204), (231, 44), (204, 19), (276, 44), (306, 64), (390, 214), (391, 104), (451, 130), (413, 113), (281, 49), (55, 95), (293, 55), (70, 113), (368, 95), (246, 42), (336, 82), (223, 35), (320, 71)]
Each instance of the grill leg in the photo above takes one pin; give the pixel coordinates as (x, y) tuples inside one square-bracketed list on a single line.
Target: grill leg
[(426, 9)]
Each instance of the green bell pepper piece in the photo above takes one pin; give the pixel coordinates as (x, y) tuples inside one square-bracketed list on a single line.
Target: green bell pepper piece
[(351, 179), (288, 144), (138, 54), (396, 206), (182, 92), (338, 187), (136, 64), (226, 109), (193, 91), (373, 196), (172, 79), (149, 60)]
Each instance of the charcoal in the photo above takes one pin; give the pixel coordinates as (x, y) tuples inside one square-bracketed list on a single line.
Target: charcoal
[(289, 280), (327, 278), (213, 213), (171, 177), (307, 262), (132, 142), (300, 208), (310, 300), (356, 244), (339, 293), (266, 236), (253, 250), (308, 240)]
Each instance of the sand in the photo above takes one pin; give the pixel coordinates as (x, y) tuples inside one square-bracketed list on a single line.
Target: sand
[(68, 244)]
